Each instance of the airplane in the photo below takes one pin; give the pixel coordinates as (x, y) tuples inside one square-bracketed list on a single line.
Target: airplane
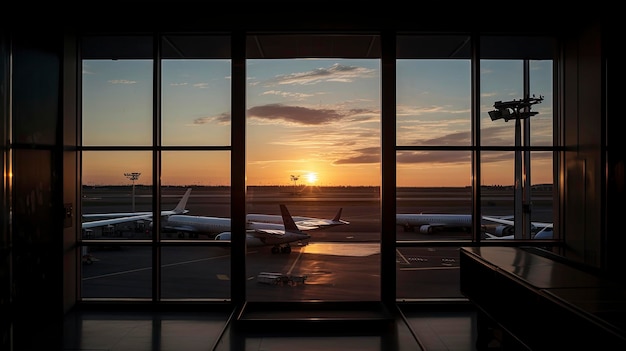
[(300, 220), (179, 209), (196, 225), (106, 219), (429, 223), (542, 230), (112, 221), (279, 239)]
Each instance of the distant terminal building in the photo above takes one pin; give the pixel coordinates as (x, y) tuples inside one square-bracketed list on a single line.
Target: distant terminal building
[(536, 187)]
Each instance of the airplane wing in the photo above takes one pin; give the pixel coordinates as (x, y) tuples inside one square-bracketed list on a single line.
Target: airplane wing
[(310, 224), (303, 223), (512, 223), (491, 236), (111, 221), (264, 233), (279, 239), (319, 222), (290, 231), (314, 223), (499, 220), (545, 229)]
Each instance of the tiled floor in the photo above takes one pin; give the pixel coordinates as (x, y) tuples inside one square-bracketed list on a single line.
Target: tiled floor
[(414, 328)]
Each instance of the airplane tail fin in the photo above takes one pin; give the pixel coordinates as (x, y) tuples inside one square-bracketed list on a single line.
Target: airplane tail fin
[(337, 218), (338, 215), (180, 208), (290, 225)]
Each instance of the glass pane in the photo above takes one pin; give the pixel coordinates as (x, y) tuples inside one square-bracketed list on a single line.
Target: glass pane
[(505, 206), (541, 125), (30, 93), (117, 102), (434, 195), (207, 210), (498, 193), (500, 81), (433, 102), (428, 272), (196, 102), (313, 144), (542, 195), (116, 271), (195, 168), (195, 272), (116, 184)]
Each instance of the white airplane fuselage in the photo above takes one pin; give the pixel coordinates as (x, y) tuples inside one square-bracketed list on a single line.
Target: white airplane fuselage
[(212, 226), (427, 223)]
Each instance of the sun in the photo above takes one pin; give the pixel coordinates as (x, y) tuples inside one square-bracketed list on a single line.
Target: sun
[(311, 178)]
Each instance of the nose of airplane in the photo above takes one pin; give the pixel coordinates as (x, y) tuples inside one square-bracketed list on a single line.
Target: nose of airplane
[(223, 236)]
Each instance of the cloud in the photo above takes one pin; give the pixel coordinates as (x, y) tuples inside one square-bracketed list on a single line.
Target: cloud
[(334, 73), (431, 157), (457, 138), (359, 159), (292, 114), (201, 85), (295, 114), (286, 94), (122, 81), (364, 155), (223, 118)]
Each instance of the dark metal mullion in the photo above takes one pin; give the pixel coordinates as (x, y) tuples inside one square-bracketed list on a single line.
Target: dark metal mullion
[(526, 170), (475, 129), (156, 170), (388, 167), (148, 148), (78, 171), (433, 148), (238, 168)]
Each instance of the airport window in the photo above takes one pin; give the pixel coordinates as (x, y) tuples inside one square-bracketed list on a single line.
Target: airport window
[(137, 159), (158, 122), (313, 144), (436, 145), (116, 111), (433, 163), (517, 126)]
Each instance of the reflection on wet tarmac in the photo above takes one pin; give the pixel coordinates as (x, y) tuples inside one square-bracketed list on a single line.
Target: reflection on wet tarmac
[(342, 249)]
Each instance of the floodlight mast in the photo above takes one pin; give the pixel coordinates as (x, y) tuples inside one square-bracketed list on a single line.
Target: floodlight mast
[(295, 182), (518, 110), (133, 176)]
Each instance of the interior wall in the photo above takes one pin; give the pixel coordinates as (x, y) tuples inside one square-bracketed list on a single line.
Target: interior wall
[(36, 262), (615, 240), (583, 140), (5, 213)]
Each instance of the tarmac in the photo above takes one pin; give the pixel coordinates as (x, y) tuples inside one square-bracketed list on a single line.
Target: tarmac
[(340, 263)]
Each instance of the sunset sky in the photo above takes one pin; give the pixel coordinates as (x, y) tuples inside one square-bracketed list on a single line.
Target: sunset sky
[(317, 120)]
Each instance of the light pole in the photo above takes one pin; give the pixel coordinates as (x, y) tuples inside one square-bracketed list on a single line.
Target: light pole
[(518, 110), (295, 182), (133, 176)]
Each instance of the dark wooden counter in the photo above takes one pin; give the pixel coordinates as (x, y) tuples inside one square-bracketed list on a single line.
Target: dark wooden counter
[(540, 302)]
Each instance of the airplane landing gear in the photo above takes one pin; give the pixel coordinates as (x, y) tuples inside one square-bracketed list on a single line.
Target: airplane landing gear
[(281, 249)]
